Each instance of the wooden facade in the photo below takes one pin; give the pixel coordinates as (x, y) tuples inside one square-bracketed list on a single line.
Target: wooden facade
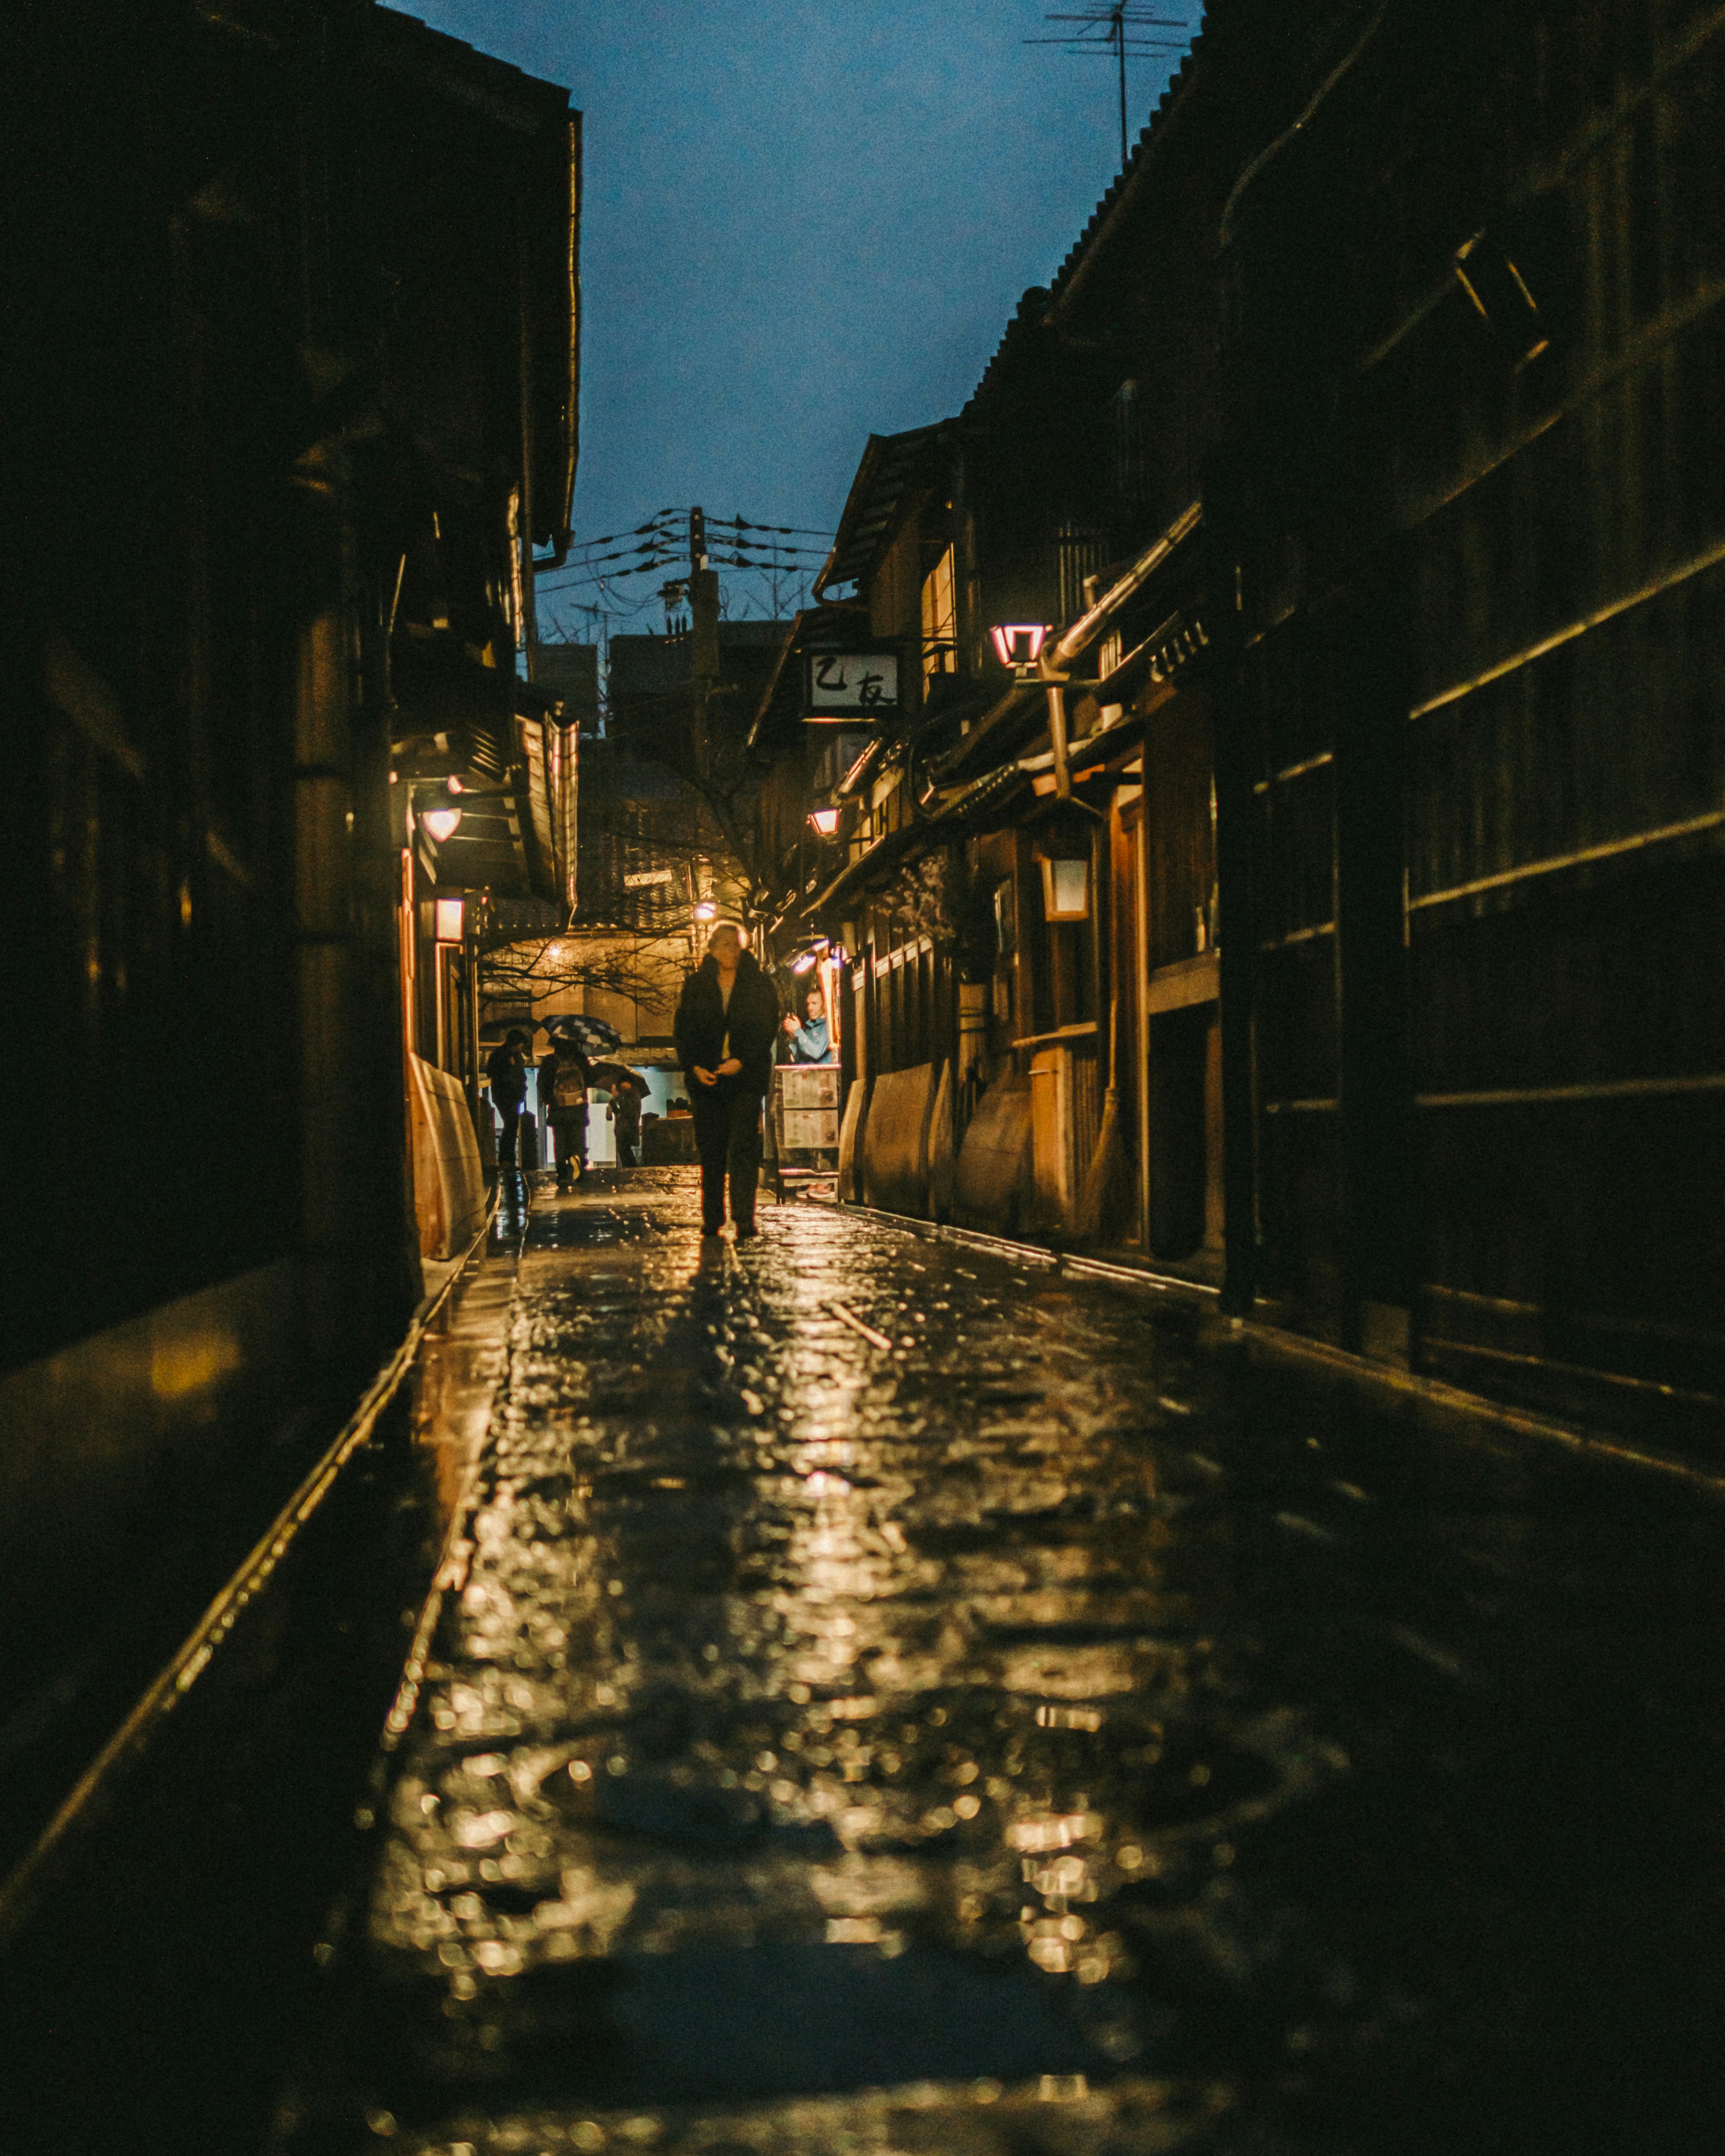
[(293, 396), (1401, 760)]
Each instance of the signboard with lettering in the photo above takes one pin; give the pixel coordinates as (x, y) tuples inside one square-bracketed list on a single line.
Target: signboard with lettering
[(845, 686), (644, 879)]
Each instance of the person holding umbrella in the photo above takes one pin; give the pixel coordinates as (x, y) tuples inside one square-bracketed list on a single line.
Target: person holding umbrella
[(565, 1074), (727, 1024)]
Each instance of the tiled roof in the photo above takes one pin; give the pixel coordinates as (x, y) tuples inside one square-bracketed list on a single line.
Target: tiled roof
[(1032, 307)]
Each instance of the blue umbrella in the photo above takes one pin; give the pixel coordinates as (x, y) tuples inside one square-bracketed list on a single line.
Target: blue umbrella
[(592, 1035)]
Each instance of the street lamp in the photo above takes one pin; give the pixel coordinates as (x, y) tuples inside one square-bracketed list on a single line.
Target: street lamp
[(1019, 643), (442, 823), (707, 910), (825, 821), (1063, 846)]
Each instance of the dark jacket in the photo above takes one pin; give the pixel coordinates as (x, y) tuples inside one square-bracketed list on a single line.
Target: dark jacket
[(565, 1057), (507, 1070), (752, 1022)]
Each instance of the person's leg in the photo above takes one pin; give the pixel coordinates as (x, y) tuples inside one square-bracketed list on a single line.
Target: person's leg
[(560, 1139), (512, 1114), (713, 1132), (743, 1158)]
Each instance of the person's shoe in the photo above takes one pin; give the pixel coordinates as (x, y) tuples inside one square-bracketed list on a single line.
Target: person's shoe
[(745, 1229), (709, 1233)]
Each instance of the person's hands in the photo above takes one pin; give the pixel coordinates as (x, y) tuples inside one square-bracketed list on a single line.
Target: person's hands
[(729, 1067), (790, 1025), (704, 1076)]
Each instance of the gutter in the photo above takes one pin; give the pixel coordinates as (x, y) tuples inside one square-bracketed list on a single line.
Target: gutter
[(1091, 624), (1052, 668)]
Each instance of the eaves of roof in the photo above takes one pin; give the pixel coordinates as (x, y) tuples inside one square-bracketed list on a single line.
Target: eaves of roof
[(892, 467), (885, 854), (992, 732), (522, 103), (783, 685)]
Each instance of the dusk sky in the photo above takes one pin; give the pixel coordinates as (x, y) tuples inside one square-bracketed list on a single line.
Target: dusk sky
[(805, 220)]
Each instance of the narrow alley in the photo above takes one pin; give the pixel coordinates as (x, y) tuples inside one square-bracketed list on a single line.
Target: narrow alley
[(885, 1694), (1101, 685)]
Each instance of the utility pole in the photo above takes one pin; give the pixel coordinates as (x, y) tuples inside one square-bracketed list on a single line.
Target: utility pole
[(704, 630)]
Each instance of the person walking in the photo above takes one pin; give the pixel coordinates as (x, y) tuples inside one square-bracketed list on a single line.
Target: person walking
[(507, 1067), (626, 1123), (726, 1023), (564, 1076)]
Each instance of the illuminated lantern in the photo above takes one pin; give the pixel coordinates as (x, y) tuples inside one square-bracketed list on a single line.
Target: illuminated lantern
[(448, 920), (825, 821), (1063, 846), (1019, 643)]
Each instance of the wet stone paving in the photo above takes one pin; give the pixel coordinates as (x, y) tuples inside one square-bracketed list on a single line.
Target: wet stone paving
[(893, 1698)]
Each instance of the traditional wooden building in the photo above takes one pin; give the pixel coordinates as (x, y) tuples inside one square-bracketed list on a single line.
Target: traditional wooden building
[(297, 401), (1355, 827)]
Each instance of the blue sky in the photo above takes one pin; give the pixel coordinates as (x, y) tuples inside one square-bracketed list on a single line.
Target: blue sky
[(805, 220)]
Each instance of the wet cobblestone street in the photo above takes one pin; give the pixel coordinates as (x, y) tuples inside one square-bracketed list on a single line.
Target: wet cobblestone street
[(890, 1698)]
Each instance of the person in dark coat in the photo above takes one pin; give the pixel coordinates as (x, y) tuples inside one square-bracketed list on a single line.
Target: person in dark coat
[(564, 1076), (626, 1123), (507, 1067), (727, 1023)]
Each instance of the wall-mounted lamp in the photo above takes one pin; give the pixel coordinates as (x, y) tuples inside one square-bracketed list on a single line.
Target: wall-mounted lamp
[(1019, 643), (1066, 891), (825, 821), (440, 823), (1063, 846), (805, 962), (449, 913), (707, 910)]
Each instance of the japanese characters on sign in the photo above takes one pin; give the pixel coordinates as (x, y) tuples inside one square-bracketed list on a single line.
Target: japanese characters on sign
[(851, 685)]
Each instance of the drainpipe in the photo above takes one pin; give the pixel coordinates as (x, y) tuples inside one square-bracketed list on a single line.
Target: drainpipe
[(1054, 664)]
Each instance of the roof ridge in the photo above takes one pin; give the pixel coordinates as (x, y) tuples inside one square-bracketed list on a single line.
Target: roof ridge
[(1147, 134)]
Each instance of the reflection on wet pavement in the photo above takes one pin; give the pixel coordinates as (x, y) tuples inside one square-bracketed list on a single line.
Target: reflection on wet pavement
[(1039, 1733)]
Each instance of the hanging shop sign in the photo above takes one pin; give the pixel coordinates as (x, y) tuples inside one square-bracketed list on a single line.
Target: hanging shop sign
[(849, 685)]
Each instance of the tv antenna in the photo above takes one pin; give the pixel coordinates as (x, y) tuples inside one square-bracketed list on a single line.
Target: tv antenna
[(1113, 32)]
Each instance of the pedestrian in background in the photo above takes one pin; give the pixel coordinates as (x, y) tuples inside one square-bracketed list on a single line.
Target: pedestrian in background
[(564, 1076), (626, 1123), (811, 1037), (507, 1067), (727, 1020)]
